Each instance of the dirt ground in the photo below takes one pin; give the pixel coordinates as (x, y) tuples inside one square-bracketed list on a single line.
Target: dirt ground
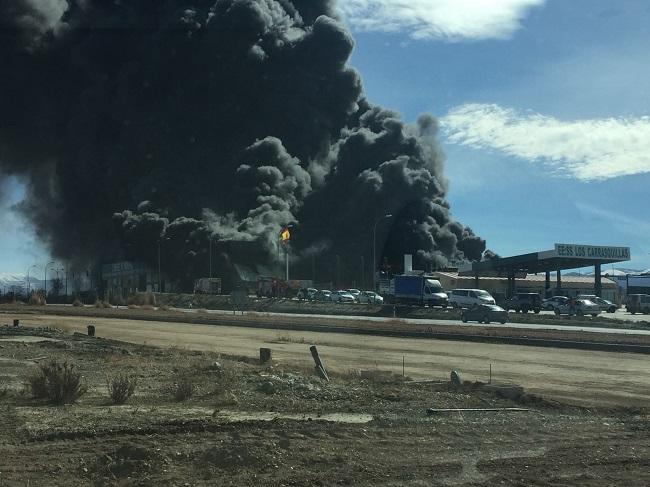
[(279, 424), (573, 376)]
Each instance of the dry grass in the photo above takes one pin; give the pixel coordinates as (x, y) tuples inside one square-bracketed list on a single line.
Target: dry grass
[(287, 338), (102, 304), (77, 303)]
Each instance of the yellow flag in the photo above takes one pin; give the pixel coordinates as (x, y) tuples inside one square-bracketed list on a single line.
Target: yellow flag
[(285, 235)]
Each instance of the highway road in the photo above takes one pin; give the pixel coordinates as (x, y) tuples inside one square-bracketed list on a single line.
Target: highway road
[(430, 322), (577, 376)]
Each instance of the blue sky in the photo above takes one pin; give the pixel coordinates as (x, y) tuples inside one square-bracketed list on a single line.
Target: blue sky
[(543, 128), (543, 105)]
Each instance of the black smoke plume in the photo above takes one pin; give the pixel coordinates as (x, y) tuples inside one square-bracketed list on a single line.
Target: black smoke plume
[(140, 124)]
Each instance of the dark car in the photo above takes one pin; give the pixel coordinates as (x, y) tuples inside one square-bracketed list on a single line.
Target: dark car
[(484, 313), (524, 302)]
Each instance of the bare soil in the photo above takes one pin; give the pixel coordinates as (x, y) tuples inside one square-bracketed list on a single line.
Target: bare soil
[(278, 424), (374, 326)]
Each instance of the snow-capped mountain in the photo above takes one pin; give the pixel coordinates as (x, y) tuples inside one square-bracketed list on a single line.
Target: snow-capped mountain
[(18, 282)]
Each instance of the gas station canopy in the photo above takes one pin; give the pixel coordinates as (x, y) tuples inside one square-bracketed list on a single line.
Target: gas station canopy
[(563, 256)]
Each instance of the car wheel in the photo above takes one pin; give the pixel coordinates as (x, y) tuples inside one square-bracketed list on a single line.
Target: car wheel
[(503, 322), (594, 314), (557, 311), (463, 318), (537, 311), (524, 309), (486, 320), (580, 312)]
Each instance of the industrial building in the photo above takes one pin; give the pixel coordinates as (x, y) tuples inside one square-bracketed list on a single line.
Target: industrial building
[(126, 278)]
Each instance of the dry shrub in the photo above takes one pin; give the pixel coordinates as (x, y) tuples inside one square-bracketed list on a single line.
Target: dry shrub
[(121, 387), (116, 301), (102, 304), (183, 389), (37, 300), (58, 382), (163, 307), (147, 307), (142, 299), (134, 306), (77, 303)]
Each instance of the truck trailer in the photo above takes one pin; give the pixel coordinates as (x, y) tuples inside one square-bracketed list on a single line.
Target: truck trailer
[(416, 290)]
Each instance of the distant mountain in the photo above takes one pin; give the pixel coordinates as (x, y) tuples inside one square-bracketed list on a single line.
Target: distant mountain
[(608, 271), (10, 281)]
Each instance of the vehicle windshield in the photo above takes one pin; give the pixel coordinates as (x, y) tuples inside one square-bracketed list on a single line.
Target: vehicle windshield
[(482, 294), (434, 287)]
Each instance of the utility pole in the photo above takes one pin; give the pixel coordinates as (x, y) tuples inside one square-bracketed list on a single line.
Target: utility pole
[(363, 273), (374, 251)]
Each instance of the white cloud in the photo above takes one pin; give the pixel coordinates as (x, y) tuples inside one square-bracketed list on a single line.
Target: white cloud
[(622, 223), (593, 149), (451, 20)]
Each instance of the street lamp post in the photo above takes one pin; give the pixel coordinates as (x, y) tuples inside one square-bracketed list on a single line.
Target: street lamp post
[(210, 252), (159, 268), (374, 250), (29, 285), (45, 277), (286, 253)]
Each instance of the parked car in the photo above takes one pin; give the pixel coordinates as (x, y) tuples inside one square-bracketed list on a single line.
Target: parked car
[(582, 307), (308, 293), (550, 304), (342, 296), (603, 304), (484, 313), (465, 298), (638, 303), (355, 294), (370, 297), (323, 295), (524, 302)]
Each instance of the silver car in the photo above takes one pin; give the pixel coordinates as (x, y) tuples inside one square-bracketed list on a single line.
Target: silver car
[(369, 297), (603, 304), (342, 296), (582, 307), (323, 295), (355, 294)]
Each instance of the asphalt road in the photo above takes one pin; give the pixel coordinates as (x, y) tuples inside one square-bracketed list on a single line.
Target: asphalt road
[(576, 376), (429, 322)]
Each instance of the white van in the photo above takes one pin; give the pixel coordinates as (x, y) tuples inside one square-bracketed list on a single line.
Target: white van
[(466, 298)]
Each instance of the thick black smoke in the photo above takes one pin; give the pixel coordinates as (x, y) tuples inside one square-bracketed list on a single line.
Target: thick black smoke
[(146, 123)]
